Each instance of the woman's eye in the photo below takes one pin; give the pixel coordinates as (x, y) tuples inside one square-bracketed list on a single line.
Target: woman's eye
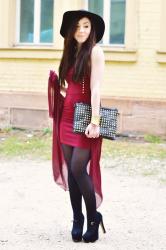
[(85, 27)]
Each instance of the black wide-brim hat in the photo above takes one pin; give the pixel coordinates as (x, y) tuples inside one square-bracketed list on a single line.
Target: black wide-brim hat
[(97, 20)]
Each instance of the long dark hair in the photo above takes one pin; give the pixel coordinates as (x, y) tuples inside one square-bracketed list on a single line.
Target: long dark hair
[(79, 61)]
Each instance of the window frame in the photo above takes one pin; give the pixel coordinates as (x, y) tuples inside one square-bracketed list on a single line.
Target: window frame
[(106, 16), (37, 11), (161, 52)]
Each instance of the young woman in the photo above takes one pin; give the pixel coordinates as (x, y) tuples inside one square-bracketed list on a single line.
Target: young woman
[(76, 156)]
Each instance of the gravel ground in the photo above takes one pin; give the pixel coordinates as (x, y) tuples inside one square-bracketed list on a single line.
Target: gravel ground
[(35, 213)]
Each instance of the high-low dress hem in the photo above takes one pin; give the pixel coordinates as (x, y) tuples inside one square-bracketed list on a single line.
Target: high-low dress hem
[(62, 111)]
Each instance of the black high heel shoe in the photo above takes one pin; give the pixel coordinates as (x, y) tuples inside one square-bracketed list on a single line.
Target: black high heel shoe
[(77, 229), (92, 233)]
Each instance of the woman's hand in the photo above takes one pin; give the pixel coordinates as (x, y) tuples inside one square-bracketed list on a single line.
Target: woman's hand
[(92, 131)]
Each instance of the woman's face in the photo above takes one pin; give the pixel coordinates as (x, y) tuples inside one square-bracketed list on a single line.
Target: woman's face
[(83, 30)]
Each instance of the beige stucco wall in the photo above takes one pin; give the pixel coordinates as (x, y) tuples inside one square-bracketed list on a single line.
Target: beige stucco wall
[(136, 71), (132, 72)]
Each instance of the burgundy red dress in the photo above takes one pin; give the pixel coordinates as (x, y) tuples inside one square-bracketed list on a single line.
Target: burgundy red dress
[(62, 111)]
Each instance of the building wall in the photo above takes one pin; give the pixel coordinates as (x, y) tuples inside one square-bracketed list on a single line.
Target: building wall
[(134, 80)]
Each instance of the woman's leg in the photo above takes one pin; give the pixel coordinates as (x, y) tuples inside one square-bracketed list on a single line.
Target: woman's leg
[(79, 161), (74, 191), (75, 197)]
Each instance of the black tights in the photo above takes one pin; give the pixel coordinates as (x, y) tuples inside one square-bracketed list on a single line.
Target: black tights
[(80, 183)]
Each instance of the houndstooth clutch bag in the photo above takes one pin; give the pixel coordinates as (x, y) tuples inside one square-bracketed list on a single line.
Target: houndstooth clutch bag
[(108, 120)]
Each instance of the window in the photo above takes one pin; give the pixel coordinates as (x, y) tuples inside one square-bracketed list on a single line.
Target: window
[(35, 21), (113, 13)]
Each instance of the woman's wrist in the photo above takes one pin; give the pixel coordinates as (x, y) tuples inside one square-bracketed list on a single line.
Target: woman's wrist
[(95, 120)]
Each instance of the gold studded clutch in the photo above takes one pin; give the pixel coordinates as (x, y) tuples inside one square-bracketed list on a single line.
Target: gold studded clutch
[(108, 120)]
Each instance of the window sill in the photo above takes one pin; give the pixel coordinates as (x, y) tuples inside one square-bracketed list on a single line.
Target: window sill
[(120, 54), (161, 56), (27, 52), (113, 54)]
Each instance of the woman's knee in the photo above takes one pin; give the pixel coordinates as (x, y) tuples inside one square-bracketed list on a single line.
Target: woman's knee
[(79, 162)]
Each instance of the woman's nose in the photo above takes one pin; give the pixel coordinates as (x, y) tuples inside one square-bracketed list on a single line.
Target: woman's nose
[(81, 29)]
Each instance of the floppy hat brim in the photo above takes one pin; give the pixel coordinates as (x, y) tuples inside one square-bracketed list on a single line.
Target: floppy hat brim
[(97, 20)]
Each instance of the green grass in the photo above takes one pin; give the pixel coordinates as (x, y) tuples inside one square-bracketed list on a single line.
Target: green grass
[(152, 138), (24, 146), (38, 144), (133, 149)]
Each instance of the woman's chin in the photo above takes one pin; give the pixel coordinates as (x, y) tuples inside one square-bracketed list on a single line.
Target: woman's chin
[(80, 41)]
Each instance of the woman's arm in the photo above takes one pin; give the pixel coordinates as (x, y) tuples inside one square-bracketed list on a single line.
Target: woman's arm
[(97, 71), (63, 90)]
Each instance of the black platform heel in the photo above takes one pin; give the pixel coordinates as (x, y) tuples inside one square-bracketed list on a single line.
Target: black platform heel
[(92, 233), (77, 229)]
